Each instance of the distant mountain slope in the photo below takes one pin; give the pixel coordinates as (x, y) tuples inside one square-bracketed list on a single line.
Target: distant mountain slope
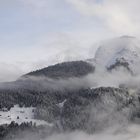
[(64, 70)]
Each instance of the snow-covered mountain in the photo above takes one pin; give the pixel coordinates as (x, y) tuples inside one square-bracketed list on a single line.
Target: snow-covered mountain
[(122, 51), (78, 95)]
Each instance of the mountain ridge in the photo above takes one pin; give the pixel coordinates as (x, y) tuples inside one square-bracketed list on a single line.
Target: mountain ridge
[(64, 70)]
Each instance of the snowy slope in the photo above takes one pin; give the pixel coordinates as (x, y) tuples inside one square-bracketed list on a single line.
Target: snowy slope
[(20, 115), (122, 49)]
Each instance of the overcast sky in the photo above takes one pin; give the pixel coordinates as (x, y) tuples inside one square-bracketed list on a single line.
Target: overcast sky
[(37, 33)]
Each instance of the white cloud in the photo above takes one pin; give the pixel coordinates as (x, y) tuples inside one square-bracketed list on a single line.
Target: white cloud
[(120, 16), (130, 132)]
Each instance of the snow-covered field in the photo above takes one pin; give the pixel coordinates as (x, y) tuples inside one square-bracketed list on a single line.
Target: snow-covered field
[(20, 115)]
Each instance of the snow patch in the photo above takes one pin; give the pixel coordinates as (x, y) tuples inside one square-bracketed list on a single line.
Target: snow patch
[(60, 105), (20, 115)]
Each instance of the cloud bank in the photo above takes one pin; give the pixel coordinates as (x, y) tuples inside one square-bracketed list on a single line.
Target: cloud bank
[(119, 16)]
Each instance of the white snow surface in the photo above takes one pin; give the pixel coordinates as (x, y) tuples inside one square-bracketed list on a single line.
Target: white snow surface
[(60, 105), (20, 115), (124, 48)]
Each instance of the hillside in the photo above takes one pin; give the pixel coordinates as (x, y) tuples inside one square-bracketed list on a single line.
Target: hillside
[(64, 70)]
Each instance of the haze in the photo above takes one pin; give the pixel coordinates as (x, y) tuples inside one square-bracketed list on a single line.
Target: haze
[(38, 33)]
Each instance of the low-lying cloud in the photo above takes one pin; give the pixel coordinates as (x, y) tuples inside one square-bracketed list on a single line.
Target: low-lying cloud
[(129, 133)]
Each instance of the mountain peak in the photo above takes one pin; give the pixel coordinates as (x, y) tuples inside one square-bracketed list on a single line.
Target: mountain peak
[(122, 50)]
